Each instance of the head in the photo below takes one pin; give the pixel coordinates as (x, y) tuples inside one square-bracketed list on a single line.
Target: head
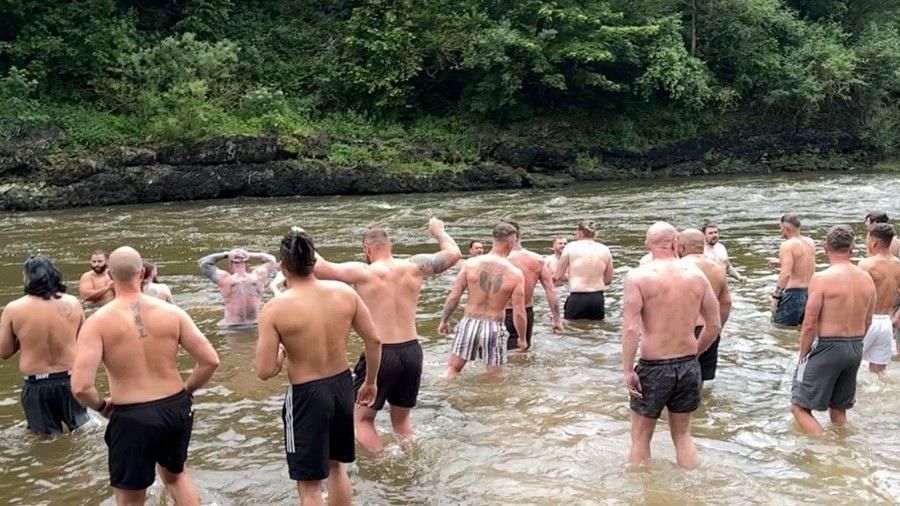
[(662, 240), (790, 225), (559, 244), (879, 238), (504, 236), (298, 254), (585, 230), (518, 228), (377, 244), (149, 273), (476, 248), (238, 258), (876, 217), (839, 241), (42, 278), (126, 268), (710, 233), (99, 261), (691, 242)]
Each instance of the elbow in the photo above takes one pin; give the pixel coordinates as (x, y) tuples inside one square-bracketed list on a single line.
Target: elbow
[(81, 388), (213, 362), (265, 373)]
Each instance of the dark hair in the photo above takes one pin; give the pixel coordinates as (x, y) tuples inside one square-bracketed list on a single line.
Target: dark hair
[(791, 219), (877, 217), (100, 252), (840, 239), (503, 231), (883, 232), (587, 228), (42, 278), (298, 253), (149, 267), (515, 225), (473, 243), (709, 224)]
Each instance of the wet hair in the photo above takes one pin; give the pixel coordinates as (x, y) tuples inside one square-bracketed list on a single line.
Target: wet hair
[(840, 239), (100, 252), (587, 228), (515, 225), (503, 232), (877, 217), (708, 224), (42, 278), (298, 253), (882, 232), (791, 219), (376, 237), (149, 267)]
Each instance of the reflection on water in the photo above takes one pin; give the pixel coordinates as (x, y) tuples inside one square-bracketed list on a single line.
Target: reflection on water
[(555, 428)]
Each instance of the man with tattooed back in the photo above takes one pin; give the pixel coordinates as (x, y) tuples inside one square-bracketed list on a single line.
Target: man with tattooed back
[(150, 411)]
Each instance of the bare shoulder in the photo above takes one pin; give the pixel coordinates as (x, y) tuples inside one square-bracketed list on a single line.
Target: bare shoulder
[(337, 287), (86, 276)]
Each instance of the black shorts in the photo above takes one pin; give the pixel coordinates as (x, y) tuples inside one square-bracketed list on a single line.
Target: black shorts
[(585, 306), (672, 383), (144, 434), (512, 342), (399, 376), (49, 404), (709, 359), (318, 426)]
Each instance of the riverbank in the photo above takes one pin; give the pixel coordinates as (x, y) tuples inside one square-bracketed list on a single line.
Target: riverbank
[(322, 164)]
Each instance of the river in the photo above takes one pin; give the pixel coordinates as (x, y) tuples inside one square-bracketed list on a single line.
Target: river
[(554, 429)]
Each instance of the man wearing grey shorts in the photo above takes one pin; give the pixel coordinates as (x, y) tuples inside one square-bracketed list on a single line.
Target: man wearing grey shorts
[(839, 311)]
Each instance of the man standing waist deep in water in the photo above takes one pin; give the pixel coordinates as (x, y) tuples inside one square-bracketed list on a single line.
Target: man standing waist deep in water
[(95, 285), (797, 257), (589, 267), (241, 290)]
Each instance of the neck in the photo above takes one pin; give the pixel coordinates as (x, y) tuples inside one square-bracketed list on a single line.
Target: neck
[(663, 254), (879, 251), (127, 288), (375, 256), (792, 234), (692, 254), (838, 258), (293, 280)]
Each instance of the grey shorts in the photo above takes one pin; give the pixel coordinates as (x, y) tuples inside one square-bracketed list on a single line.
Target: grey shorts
[(826, 378), (671, 383)]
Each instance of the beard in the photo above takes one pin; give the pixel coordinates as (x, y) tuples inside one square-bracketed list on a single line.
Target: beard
[(99, 270)]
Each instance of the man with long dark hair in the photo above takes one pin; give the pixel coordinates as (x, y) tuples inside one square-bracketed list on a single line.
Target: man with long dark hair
[(42, 325)]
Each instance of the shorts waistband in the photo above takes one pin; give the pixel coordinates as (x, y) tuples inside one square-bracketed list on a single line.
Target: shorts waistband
[(156, 402), (46, 376), (330, 379), (404, 344), (498, 320), (881, 317), (841, 339), (668, 361), (588, 293), (509, 310), (796, 290)]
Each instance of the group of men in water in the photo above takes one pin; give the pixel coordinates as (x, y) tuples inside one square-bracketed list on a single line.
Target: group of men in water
[(674, 305)]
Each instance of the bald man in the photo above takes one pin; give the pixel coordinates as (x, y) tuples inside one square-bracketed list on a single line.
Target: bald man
[(691, 243), (662, 302), (136, 337), (797, 258)]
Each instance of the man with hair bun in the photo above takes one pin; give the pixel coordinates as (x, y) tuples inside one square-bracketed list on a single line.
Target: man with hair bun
[(797, 258), (309, 325), (589, 266), (839, 311), (885, 271), (43, 325), (151, 286)]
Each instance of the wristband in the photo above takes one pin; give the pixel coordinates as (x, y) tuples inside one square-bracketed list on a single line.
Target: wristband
[(102, 407)]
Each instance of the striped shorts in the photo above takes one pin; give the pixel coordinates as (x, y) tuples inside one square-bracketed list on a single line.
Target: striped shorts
[(484, 339)]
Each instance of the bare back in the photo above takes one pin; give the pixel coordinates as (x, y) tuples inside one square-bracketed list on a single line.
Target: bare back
[(390, 288), (715, 274), (313, 323), (140, 339), (491, 281), (798, 254), (589, 264), (242, 294), (46, 332), (532, 266), (842, 298), (885, 272)]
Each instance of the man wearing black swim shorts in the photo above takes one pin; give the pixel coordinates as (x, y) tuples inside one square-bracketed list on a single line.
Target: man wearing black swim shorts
[(309, 324), (662, 301), (588, 265), (137, 337)]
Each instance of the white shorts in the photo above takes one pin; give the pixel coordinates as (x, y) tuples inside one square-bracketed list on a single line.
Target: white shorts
[(878, 345)]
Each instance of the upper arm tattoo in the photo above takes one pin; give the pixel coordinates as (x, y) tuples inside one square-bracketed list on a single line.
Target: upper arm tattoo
[(430, 265)]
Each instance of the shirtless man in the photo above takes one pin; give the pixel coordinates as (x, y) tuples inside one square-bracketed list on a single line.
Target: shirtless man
[(309, 324), (43, 325), (95, 285), (839, 311), (885, 271), (241, 290), (534, 269), (882, 217), (151, 286), (715, 250), (390, 288), (797, 257), (150, 412), (559, 244), (476, 248), (691, 242), (589, 266), (662, 303), (493, 281)]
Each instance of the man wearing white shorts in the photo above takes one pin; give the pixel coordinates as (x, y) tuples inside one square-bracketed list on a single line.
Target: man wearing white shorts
[(885, 271)]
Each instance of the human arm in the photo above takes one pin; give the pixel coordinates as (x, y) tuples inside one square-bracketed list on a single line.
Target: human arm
[(209, 269), (810, 328), (347, 272), (87, 291), (608, 272), (195, 343), (167, 294), (562, 267), (88, 354), (725, 303), (733, 273), (632, 307), (269, 357), (269, 266), (552, 297), (712, 321), (447, 257), (520, 317), (9, 344), (365, 328), (786, 260), (276, 284), (452, 302)]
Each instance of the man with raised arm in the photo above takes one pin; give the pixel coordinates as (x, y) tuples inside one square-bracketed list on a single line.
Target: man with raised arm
[(839, 311), (95, 285), (715, 250), (662, 302), (534, 269), (797, 258), (42, 325), (309, 325), (559, 244), (149, 407), (241, 290), (691, 243), (884, 268), (589, 266), (390, 288), (493, 283)]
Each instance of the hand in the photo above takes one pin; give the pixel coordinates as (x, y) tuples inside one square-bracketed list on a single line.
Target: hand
[(523, 344), (774, 305), (366, 394), (774, 263), (558, 327), (633, 384), (108, 409), (444, 328), (742, 279), (435, 227)]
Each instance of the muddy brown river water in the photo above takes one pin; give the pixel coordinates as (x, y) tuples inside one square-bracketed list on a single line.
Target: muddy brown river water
[(554, 429)]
